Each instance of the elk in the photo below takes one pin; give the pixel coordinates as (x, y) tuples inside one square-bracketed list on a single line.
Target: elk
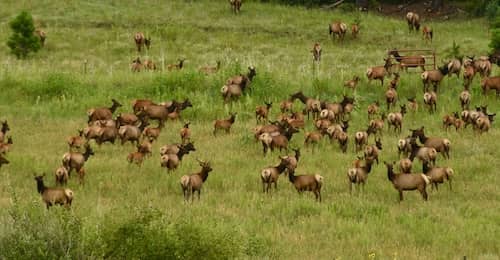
[(441, 145), (177, 66), (53, 196), (413, 20), (396, 119), (76, 160), (136, 65), (312, 105), (465, 99), (372, 151), (149, 65), (454, 67), (355, 30), (408, 61), (430, 99), (157, 112), (379, 72), (172, 160), (391, 97), (359, 174), (61, 175), (316, 51), (127, 119), (185, 133), (243, 81), (224, 124), (286, 105), (433, 77), (404, 182), (262, 112), (6, 147), (491, 83), (193, 183), (235, 5), (412, 104), (136, 157), (337, 29), (481, 65), (41, 36), (469, 73), (373, 109), (307, 183), (438, 175), (139, 40), (3, 160), (271, 174), (427, 33), (103, 113), (211, 69), (278, 140), (76, 142), (352, 83), (3, 131)]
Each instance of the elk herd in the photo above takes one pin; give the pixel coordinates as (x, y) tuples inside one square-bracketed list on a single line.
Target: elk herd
[(329, 120)]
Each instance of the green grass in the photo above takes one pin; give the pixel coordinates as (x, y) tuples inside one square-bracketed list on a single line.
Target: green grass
[(128, 212)]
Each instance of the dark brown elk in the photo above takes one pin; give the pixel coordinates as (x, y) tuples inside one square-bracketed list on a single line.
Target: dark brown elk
[(103, 113), (53, 196), (302, 183), (408, 61), (403, 182)]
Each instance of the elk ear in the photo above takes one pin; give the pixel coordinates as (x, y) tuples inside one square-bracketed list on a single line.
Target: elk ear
[(393, 162)]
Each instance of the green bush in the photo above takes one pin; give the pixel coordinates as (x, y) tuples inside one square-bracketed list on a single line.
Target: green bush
[(23, 41), (495, 34)]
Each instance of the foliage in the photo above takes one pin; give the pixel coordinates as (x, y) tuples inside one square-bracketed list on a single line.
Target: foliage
[(453, 51), (23, 41), (495, 34)]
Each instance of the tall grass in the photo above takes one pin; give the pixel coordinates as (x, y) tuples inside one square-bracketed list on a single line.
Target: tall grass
[(128, 212)]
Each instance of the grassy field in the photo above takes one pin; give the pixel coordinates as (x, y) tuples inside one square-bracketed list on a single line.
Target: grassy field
[(124, 211)]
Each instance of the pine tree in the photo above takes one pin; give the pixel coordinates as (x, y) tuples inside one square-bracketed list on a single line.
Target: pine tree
[(23, 41)]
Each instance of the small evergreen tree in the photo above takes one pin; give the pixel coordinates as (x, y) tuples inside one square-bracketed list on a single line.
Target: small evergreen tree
[(23, 41), (495, 34)]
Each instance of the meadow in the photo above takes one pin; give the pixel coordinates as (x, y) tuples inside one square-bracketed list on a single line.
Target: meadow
[(124, 211)]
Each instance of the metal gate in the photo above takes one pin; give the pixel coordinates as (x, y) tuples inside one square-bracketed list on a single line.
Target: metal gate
[(428, 54)]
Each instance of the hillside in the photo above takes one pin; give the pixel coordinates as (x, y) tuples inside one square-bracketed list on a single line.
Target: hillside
[(125, 211)]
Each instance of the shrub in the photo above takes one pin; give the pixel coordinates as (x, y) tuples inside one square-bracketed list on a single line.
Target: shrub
[(495, 35), (23, 41)]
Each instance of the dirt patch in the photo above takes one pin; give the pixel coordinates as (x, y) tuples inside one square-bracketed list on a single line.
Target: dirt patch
[(423, 8)]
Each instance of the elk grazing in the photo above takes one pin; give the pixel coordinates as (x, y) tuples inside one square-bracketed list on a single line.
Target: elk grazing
[(157, 112), (377, 125), (379, 72), (483, 123), (262, 112), (396, 119), (103, 113), (149, 65), (129, 133), (76, 160), (172, 160), (235, 5), (53, 196), (355, 30), (307, 183), (449, 120), (465, 99), (230, 92), (337, 29), (176, 148), (352, 83), (442, 145), (412, 104), (136, 65), (61, 176), (413, 20), (404, 182), (312, 138), (491, 83), (433, 77), (41, 36), (185, 133), (359, 174), (224, 124), (427, 33), (408, 61), (3, 131), (127, 119), (430, 99), (210, 69), (271, 174), (152, 132), (312, 105), (139, 104), (76, 142), (277, 140), (316, 51), (6, 147), (286, 105), (193, 183), (178, 66), (136, 157)]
